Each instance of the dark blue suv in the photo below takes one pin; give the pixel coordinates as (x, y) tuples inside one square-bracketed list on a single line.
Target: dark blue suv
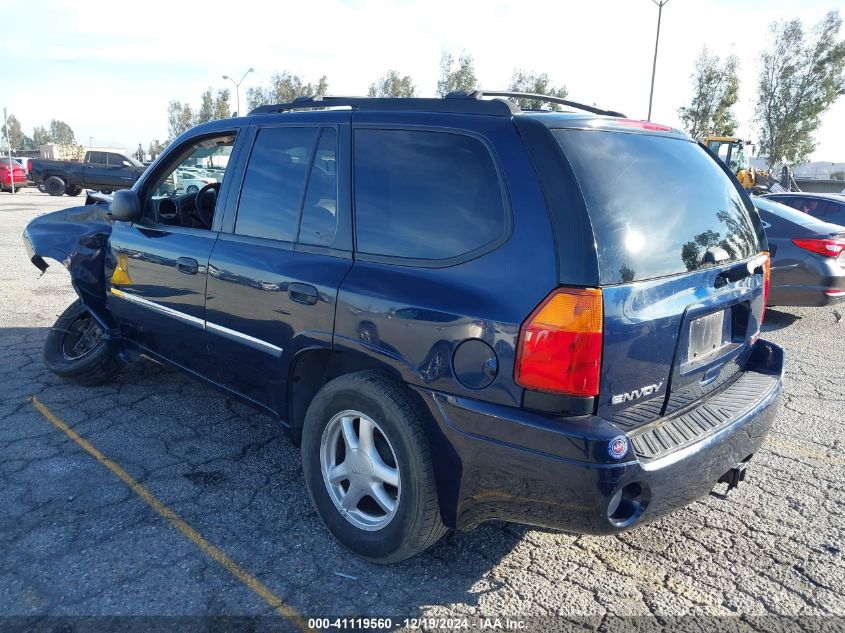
[(463, 311)]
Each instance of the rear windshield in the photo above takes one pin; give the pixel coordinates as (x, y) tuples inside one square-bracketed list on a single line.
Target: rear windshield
[(657, 204)]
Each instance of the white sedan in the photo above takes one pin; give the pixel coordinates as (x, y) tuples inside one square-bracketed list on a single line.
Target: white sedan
[(189, 181)]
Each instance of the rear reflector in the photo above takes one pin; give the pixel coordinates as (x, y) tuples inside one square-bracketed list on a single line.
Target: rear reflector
[(560, 344), (828, 247)]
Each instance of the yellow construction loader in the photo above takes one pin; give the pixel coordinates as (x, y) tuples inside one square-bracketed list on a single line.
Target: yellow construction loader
[(736, 154)]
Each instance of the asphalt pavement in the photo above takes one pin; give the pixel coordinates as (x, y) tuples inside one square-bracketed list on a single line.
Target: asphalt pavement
[(156, 495)]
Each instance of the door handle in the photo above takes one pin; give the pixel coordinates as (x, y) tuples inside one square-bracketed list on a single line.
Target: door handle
[(187, 265), (303, 293)]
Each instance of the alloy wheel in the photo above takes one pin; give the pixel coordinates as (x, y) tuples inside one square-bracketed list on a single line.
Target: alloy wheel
[(360, 470)]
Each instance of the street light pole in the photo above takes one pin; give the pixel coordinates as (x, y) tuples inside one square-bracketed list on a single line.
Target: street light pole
[(9, 141), (659, 4), (238, 87)]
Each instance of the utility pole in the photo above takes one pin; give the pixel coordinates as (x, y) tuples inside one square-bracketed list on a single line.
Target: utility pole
[(659, 4), (9, 143)]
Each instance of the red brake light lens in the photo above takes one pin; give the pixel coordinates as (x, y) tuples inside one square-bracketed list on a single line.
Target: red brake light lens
[(767, 276), (643, 125), (560, 344), (827, 247)]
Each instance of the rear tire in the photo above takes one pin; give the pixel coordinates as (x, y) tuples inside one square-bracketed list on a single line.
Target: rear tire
[(72, 191), (406, 520), (55, 186), (77, 351)]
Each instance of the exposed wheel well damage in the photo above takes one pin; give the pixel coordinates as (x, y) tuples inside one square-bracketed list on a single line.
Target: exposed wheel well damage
[(78, 239)]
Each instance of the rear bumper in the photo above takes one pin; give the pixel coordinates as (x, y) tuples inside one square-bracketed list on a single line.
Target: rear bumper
[(6, 183), (495, 462), (818, 281)]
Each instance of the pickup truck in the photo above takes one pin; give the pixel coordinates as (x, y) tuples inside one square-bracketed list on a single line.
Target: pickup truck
[(100, 171)]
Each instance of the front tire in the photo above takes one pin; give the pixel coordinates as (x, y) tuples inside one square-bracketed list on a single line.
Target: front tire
[(72, 191), (368, 468), (55, 186), (77, 351)]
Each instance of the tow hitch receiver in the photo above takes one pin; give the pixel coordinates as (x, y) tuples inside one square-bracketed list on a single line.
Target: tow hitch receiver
[(732, 478)]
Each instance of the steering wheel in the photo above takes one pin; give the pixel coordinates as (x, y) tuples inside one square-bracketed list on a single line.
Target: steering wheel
[(206, 200)]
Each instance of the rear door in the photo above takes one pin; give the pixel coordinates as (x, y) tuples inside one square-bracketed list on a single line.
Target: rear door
[(274, 273), (674, 240)]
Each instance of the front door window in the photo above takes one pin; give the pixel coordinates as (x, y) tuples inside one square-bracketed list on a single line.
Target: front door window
[(186, 193)]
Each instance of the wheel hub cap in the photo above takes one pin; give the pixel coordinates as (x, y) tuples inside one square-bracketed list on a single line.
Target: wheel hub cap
[(360, 470)]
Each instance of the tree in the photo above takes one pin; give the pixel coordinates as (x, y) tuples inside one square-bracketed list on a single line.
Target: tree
[(715, 91), (180, 118), (456, 77), (13, 133), (206, 111), (522, 81), (222, 108), (61, 133), (284, 87), (41, 136), (392, 85), (801, 76), (155, 148), (139, 153)]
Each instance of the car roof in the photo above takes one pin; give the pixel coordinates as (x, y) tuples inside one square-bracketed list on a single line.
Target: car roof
[(788, 214), (571, 119), (838, 197)]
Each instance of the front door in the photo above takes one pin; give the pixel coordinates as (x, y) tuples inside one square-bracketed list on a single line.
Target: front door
[(159, 266), (274, 275)]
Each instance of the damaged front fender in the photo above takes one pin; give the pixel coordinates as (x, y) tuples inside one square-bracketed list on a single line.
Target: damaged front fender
[(78, 239)]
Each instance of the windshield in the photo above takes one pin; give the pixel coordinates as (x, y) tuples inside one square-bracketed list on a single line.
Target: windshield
[(739, 158), (657, 204)]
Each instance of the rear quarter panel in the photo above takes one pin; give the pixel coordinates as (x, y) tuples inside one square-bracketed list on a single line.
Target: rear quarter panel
[(413, 318)]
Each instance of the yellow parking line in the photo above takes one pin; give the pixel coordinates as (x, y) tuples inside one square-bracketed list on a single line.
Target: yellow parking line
[(255, 585), (789, 447)]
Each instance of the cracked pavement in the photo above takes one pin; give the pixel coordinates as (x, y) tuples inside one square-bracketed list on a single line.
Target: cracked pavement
[(77, 541)]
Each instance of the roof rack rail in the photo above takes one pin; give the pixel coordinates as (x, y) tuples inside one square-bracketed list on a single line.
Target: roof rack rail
[(478, 94), (455, 105)]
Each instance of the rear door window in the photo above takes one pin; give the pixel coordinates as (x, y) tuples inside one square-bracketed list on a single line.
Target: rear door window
[(657, 204), (274, 183), (425, 195), (318, 226)]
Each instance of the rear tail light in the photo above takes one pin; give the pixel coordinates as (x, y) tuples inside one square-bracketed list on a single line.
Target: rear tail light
[(560, 344), (29, 166), (767, 277), (831, 247)]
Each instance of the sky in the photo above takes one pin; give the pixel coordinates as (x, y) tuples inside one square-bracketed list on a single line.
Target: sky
[(110, 68)]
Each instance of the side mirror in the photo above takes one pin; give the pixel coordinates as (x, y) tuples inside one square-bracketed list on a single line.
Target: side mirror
[(125, 206)]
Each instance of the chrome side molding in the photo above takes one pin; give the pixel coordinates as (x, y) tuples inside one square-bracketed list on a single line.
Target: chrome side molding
[(232, 335)]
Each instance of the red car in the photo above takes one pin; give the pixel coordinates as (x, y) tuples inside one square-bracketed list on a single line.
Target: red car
[(17, 172)]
